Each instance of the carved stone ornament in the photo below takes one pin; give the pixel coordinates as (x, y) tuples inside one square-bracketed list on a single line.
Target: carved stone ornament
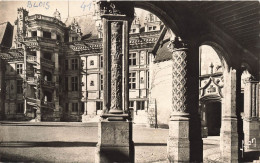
[(116, 66), (38, 88), (249, 79), (176, 44), (116, 8), (179, 80)]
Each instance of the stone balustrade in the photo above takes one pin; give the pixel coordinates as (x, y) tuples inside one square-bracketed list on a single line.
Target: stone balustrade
[(45, 18), (31, 58), (48, 83)]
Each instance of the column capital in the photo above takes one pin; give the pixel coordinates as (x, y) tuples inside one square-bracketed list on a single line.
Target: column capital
[(114, 8), (177, 45), (250, 79)]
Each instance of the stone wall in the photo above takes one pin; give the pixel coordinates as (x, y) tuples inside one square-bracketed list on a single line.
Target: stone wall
[(161, 90)]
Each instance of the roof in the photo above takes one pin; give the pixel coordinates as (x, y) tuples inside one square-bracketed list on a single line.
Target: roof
[(160, 49), (86, 23), (6, 34), (163, 53), (11, 56)]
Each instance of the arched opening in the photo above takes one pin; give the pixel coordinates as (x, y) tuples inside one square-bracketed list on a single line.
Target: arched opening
[(212, 66)]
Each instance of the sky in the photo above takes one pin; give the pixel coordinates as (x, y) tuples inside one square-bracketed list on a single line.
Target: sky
[(73, 8)]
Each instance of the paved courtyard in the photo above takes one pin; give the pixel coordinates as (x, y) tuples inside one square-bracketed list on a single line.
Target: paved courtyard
[(75, 142)]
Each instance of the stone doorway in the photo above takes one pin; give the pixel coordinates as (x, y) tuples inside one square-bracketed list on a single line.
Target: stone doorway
[(213, 114)]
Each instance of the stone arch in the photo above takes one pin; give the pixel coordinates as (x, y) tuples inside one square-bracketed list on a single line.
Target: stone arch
[(222, 51), (229, 112), (169, 22), (190, 132)]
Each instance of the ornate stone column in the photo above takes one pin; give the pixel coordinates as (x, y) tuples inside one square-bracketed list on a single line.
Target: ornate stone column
[(229, 122), (115, 142), (56, 114), (251, 114), (184, 142), (38, 87), (2, 90), (25, 49)]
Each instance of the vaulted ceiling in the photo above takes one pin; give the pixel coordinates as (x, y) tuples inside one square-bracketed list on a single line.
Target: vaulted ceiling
[(240, 19)]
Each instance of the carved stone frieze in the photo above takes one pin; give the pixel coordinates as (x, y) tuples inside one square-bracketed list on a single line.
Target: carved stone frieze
[(116, 66)]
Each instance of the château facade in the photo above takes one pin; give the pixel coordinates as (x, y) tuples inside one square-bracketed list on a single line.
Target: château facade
[(53, 72)]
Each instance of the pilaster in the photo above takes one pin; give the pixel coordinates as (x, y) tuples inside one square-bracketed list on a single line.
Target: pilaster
[(39, 32), (251, 114), (38, 88), (115, 143), (56, 90), (229, 132)]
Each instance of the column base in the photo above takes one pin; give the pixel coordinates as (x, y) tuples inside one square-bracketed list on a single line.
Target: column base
[(115, 142), (251, 135), (229, 140), (38, 117), (178, 144), (56, 116)]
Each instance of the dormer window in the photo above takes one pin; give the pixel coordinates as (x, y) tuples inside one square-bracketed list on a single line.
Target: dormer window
[(150, 28), (134, 30), (154, 27)]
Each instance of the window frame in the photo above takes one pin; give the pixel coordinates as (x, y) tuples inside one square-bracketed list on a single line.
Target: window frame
[(140, 103), (74, 64), (132, 60), (132, 80), (74, 83), (99, 105), (19, 86), (130, 106), (75, 107), (20, 108), (19, 68), (66, 64), (46, 34), (101, 82)]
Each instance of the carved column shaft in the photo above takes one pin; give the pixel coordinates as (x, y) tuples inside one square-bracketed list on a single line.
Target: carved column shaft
[(115, 142), (38, 91), (184, 143), (25, 77), (115, 51), (116, 67)]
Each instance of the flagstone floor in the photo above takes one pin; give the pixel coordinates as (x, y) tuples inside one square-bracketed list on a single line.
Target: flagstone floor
[(75, 142)]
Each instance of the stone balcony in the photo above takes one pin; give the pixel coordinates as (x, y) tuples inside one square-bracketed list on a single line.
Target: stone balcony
[(31, 80), (47, 104), (48, 84), (40, 39), (31, 59), (47, 62), (44, 18)]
